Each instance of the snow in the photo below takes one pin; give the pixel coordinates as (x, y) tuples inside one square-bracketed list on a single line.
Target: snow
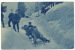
[(60, 24), (20, 40), (57, 26)]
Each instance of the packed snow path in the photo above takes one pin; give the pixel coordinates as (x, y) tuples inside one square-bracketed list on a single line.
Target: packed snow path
[(19, 40)]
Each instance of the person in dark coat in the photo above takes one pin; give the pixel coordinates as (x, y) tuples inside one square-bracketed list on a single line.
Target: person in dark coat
[(16, 20), (2, 16), (3, 9), (30, 29), (11, 15)]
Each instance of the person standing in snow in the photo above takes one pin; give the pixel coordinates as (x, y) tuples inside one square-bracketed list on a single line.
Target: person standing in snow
[(16, 20), (11, 15), (3, 9), (2, 16)]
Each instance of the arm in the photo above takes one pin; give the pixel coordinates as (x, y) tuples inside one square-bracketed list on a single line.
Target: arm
[(2, 16), (19, 16)]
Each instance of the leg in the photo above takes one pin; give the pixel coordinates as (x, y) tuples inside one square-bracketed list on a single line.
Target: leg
[(9, 23), (14, 26), (18, 26), (2, 23), (44, 39), (34, 39), (29, 35)]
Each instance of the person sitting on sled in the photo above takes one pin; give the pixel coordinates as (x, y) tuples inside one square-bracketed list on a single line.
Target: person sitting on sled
[(28, 30), (35, 34)]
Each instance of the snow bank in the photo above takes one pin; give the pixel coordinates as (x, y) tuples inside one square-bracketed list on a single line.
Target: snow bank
[(59, 23)]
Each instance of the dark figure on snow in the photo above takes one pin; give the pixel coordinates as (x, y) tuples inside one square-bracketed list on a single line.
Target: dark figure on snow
[(16, 20), (28, 29), (11, 15), (2, 16), (3, 9), (30, 26), (44, 10), (35, 34)]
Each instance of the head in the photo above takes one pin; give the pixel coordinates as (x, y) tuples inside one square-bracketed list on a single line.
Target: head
[(30, 23), (11, 10)]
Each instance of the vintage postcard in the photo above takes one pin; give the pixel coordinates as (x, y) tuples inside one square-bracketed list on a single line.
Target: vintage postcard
[(37, 25)]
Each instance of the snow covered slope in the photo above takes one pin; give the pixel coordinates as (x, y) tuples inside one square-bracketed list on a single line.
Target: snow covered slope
[(61, 24), (15, 40), (57, 25)]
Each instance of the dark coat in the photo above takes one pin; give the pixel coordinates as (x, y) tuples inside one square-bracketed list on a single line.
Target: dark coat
[(2, 16), (11, 15), (16, 18)]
